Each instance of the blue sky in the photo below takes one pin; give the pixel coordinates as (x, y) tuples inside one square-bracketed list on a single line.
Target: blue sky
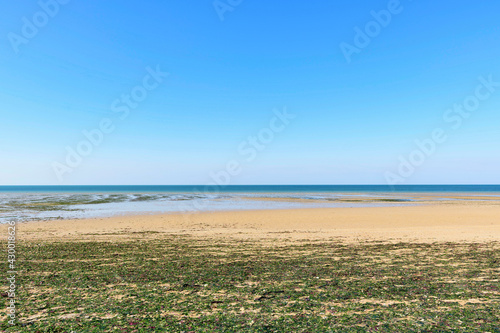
[(354, 121)]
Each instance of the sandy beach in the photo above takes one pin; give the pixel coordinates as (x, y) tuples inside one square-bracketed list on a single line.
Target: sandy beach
[(447, 221), (431, 266)]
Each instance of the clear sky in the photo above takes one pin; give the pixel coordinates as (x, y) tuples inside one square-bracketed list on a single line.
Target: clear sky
[(354, 121)]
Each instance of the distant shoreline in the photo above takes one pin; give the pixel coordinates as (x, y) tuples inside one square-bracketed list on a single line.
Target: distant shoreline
[(31, 206), (459, 221)]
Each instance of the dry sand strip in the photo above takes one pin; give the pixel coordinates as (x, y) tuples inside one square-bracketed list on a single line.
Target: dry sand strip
[(456, 222)]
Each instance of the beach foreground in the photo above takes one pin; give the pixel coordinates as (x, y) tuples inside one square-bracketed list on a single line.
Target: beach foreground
[(415, 268)]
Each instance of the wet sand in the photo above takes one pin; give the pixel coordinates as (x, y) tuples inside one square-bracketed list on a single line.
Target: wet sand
[(446, 221)]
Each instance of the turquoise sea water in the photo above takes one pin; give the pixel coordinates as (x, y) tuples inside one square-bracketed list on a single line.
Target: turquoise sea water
[(251, 188)]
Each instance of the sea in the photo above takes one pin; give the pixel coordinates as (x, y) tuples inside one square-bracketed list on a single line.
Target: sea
[(27, 203)]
